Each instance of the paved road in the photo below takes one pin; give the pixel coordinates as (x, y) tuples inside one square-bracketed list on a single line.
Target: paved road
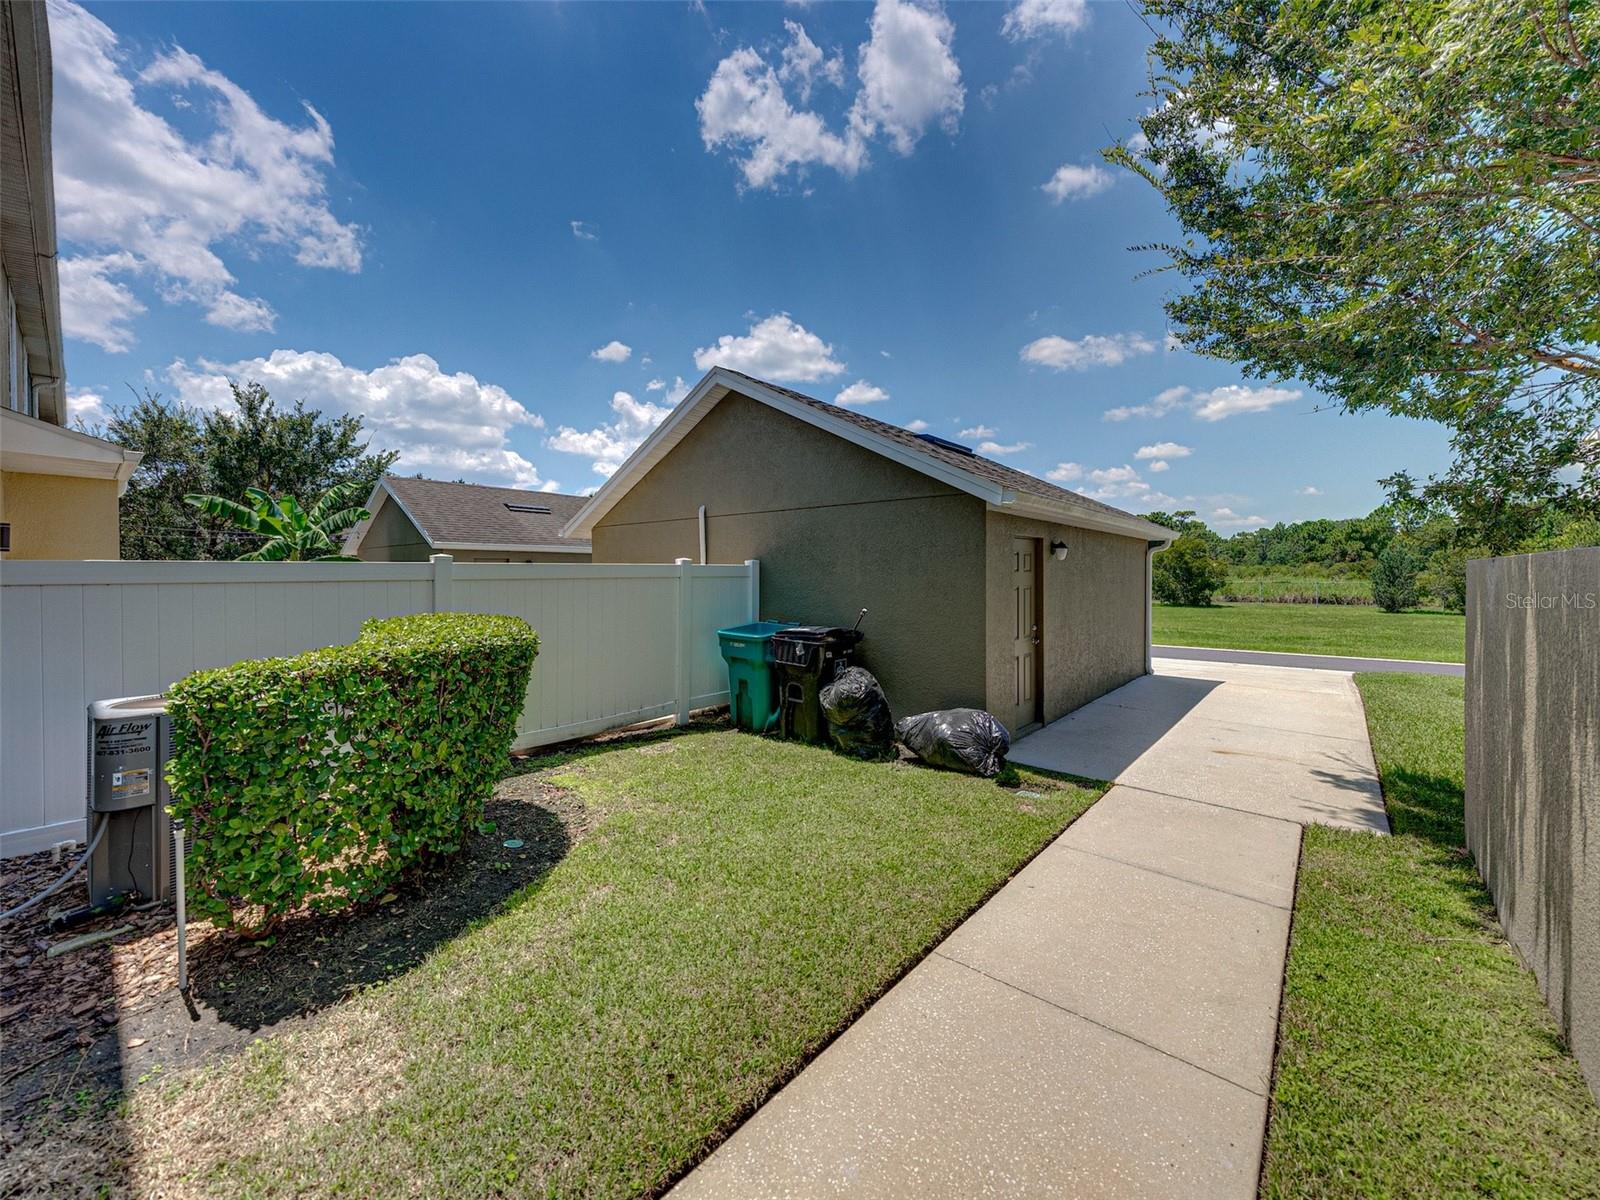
[(1316, 662), (1104, 1026)]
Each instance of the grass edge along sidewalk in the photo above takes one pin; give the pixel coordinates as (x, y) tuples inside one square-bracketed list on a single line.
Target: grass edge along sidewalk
[(734, 903), (1415, 1055)]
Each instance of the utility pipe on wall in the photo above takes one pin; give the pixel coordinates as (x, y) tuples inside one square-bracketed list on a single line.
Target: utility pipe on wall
[(702, 535), (1149, 592)]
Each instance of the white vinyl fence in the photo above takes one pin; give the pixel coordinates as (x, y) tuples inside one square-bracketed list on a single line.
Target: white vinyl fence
[(617, 644)]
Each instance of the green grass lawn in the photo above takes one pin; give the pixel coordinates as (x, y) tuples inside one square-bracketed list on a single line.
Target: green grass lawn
[(1415, 1055), (1315, 629), (734, 903)]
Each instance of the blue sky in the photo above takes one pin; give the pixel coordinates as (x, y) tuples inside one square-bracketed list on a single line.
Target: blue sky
[(509, 234)]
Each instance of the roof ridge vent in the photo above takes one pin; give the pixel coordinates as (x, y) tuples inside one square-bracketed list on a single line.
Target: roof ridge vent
[(934, 439), (527, 508)]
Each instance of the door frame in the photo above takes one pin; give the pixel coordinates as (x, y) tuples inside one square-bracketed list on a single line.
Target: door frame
[(1037, 545)]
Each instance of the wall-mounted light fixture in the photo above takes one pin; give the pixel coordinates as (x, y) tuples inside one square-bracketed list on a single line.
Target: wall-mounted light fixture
[(1058, 551)]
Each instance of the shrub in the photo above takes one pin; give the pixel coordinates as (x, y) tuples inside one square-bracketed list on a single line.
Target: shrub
[(1445, 580), (1185, 572), (1394, 580), (317, 780)]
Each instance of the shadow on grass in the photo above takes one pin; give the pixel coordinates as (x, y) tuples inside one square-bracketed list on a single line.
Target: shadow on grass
[(318, 960), (1425, 806), (547, 757)]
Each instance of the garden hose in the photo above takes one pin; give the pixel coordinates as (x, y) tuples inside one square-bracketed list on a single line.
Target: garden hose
[(99, 832)]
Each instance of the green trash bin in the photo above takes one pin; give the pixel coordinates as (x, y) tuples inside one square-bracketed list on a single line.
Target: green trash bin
[(752, 694)]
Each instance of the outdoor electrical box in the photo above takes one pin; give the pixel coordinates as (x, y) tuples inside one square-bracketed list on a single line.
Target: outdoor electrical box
[(129, 742)]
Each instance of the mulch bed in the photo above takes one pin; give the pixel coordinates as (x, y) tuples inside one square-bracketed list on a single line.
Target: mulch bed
[(99, 1019)]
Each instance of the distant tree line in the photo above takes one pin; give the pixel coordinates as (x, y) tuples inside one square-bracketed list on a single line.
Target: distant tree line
[(227, 452), (1411, 550)]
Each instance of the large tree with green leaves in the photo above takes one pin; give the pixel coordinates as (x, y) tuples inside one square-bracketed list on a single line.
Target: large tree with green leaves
[(295, 451), (1398, 202), (155, 522)]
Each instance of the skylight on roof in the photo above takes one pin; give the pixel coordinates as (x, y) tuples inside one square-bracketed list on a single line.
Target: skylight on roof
[(934, 439), (526, 508)]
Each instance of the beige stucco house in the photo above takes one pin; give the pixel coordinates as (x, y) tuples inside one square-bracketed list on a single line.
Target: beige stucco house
[(984, 586), (414, 519), (58, 488)]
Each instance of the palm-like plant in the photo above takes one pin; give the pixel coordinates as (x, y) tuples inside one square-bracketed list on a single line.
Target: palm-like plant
[(294, 534)]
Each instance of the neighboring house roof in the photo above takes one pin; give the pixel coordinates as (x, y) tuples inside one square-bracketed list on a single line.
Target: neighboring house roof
[(1001, 487), (472, 516)]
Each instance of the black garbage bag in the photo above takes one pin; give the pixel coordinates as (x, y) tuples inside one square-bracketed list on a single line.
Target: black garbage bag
[(958, 739), (859, 721)]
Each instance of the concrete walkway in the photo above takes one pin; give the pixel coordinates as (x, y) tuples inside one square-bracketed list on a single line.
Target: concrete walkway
[(1105, 1025), (1316, 662)]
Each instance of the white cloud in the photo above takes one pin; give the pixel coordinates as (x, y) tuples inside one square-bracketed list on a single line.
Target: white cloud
[(776, 348), (1158, 466), (1072, 182), (1110, 475), (1164, 402), (979, 431), (137, 198), (1226, 518), (95, 307), (1308, 490), (677, 391), (655, 385), (608, 445), (909, 76), (1121, 484), (86, 408), (612, 352), (860, 392), (1215, 404), (917, 426), (804, 62), (909, 79), (744, 109), (1163, 450), (1000, 451), (585, 231), (1035, 18), (242, 313), (1229, 401), (443, 425), (1095, 350), (1170, 342)]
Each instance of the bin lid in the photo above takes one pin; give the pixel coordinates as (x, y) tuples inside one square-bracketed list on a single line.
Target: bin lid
[(758, 631), (818, 633)]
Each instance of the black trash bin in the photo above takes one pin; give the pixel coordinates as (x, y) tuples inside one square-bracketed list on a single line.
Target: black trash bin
[(805, 659)]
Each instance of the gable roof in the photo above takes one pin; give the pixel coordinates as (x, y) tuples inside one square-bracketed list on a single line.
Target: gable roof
[(1003, 488), (474, 516)]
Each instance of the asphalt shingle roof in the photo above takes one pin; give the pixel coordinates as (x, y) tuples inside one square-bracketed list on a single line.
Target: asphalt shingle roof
[(474, 514), (987, 468)]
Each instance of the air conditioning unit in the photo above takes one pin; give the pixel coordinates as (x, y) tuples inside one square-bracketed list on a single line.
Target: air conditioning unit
[(129, 742)]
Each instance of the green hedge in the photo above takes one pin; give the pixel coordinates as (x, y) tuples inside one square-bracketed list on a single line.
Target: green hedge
[(316, 780)]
